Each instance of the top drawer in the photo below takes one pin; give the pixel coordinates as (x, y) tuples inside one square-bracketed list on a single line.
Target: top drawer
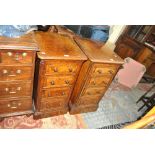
[(104, 69), (16, 57), (61, 67)]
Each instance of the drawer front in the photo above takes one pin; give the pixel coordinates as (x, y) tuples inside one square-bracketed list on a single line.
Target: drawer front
[(82, 109), (56, 92), (93, 91), (16, 57), (60, 81), (15, 105), (85, 101), (15, 73), (99, 81), (61, 67), (15, 89), (47, 104), (103, 69)]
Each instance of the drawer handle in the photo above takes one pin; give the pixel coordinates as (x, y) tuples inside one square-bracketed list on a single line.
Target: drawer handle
[(55, 69), (12, 75), (24, 54), (111, 72), (98, 92), (99, 71), (12, 92), (9, 54), (52, 83), (89, 93), (67, 82), (70, 70), (5, 71)]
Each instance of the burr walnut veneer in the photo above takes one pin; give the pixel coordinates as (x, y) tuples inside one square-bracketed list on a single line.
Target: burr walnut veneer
[(95, 76), (17, 60), (57, 67)]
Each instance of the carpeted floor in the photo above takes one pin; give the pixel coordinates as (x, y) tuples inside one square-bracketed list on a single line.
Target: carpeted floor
[(117, 106)]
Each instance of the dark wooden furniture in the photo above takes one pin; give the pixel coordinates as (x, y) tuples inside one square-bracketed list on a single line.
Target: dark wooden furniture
[(132, 40), (17, 61), (95, 76), (149, 101), (57, 67)]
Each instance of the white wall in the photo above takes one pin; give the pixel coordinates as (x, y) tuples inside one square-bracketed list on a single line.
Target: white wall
[(115, 32)]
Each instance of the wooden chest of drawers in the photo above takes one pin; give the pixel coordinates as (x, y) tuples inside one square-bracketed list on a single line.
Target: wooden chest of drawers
[(95, 76), (57, 67), (17, 59)]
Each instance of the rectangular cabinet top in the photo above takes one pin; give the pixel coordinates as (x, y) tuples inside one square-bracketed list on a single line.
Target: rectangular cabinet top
[(24, 42), (56, 46), (97, 52)]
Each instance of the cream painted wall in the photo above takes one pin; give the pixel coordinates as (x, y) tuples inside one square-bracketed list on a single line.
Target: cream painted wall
[(115, 31)]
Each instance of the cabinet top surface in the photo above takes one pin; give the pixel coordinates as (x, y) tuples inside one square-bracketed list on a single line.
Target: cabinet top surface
[(97, 52), (25, 42), (56, 46)]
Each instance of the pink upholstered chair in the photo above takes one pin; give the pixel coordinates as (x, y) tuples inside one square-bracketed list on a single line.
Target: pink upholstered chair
[(131, 73)]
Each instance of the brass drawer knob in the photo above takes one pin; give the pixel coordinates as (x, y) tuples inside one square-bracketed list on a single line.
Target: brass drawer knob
[(55, 69), (99, 71), (5, 71), (52, 83), (18, 71), (70, 70), (24, 54), (67, 82), (9, 54)]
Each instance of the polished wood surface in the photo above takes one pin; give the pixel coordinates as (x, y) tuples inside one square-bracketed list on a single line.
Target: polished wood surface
[(63, 47), (25, 42), (17, 63), (57, 67), (96, 52), (95, 76)]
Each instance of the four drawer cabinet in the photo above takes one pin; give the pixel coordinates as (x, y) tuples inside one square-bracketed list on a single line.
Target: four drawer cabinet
[(58, 63), (17, 60), (95, 76)]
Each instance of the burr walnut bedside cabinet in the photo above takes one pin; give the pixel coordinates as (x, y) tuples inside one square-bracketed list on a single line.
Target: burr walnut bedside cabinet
[(58, 63), (95, 76), (17, 61)]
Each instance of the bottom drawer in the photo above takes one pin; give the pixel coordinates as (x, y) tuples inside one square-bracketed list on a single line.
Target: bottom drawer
[(47, 104), (74, 109), (50, 113), (15, 105), (84, 101)]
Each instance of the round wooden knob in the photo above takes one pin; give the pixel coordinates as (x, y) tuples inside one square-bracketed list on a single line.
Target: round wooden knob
[(70, 70), (55, 69), (67, 81), (6, 89), (100, 71), (52, 83)]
